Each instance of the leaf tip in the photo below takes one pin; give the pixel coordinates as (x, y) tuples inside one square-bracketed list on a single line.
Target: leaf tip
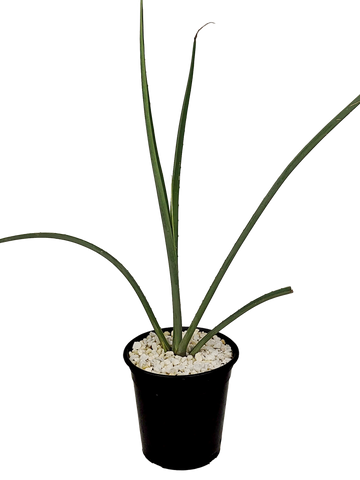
[(203, 26)]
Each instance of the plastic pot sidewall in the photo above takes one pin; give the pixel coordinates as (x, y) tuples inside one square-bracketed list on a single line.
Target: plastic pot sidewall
[(181, 417)]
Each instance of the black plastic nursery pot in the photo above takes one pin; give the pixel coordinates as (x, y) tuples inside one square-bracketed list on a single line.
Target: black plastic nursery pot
[(181, 417)]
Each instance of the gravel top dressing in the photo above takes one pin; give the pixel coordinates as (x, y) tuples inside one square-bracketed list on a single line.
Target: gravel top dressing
[(149, 355)]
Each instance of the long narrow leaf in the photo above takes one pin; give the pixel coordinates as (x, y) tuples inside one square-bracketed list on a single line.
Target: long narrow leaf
[(238, 313), (110, 258), (182, 126), (161, 193), (292, 165), (175, 184)]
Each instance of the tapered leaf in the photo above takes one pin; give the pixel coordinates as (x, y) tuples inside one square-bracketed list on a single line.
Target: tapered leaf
[(238, 313), (292, 165), (110, 258), (161, 193), (182, 126), (176, 167)]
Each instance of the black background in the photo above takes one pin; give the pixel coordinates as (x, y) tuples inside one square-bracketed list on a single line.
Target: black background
[(74, 159)]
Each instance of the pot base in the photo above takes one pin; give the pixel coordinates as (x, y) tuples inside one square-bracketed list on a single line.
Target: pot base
[(189, 470)]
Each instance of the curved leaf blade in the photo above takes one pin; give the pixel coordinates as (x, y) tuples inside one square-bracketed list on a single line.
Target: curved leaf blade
[(288, 170), (238, 313), (111, 259)]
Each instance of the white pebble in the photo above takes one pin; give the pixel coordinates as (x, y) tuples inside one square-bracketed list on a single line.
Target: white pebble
[(150, 356)]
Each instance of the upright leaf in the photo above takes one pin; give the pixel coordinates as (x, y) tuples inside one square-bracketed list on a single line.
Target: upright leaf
[(161, 194), (176, 168)]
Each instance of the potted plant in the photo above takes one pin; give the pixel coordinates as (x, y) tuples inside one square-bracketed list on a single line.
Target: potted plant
[(157, 390)]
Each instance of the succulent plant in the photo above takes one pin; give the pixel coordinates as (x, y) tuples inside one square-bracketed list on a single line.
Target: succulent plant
[(169, 211)]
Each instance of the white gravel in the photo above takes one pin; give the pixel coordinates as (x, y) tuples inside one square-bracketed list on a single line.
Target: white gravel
[(149, 355)]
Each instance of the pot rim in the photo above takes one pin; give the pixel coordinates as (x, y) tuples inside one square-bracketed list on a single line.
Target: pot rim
[(139, 371)]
